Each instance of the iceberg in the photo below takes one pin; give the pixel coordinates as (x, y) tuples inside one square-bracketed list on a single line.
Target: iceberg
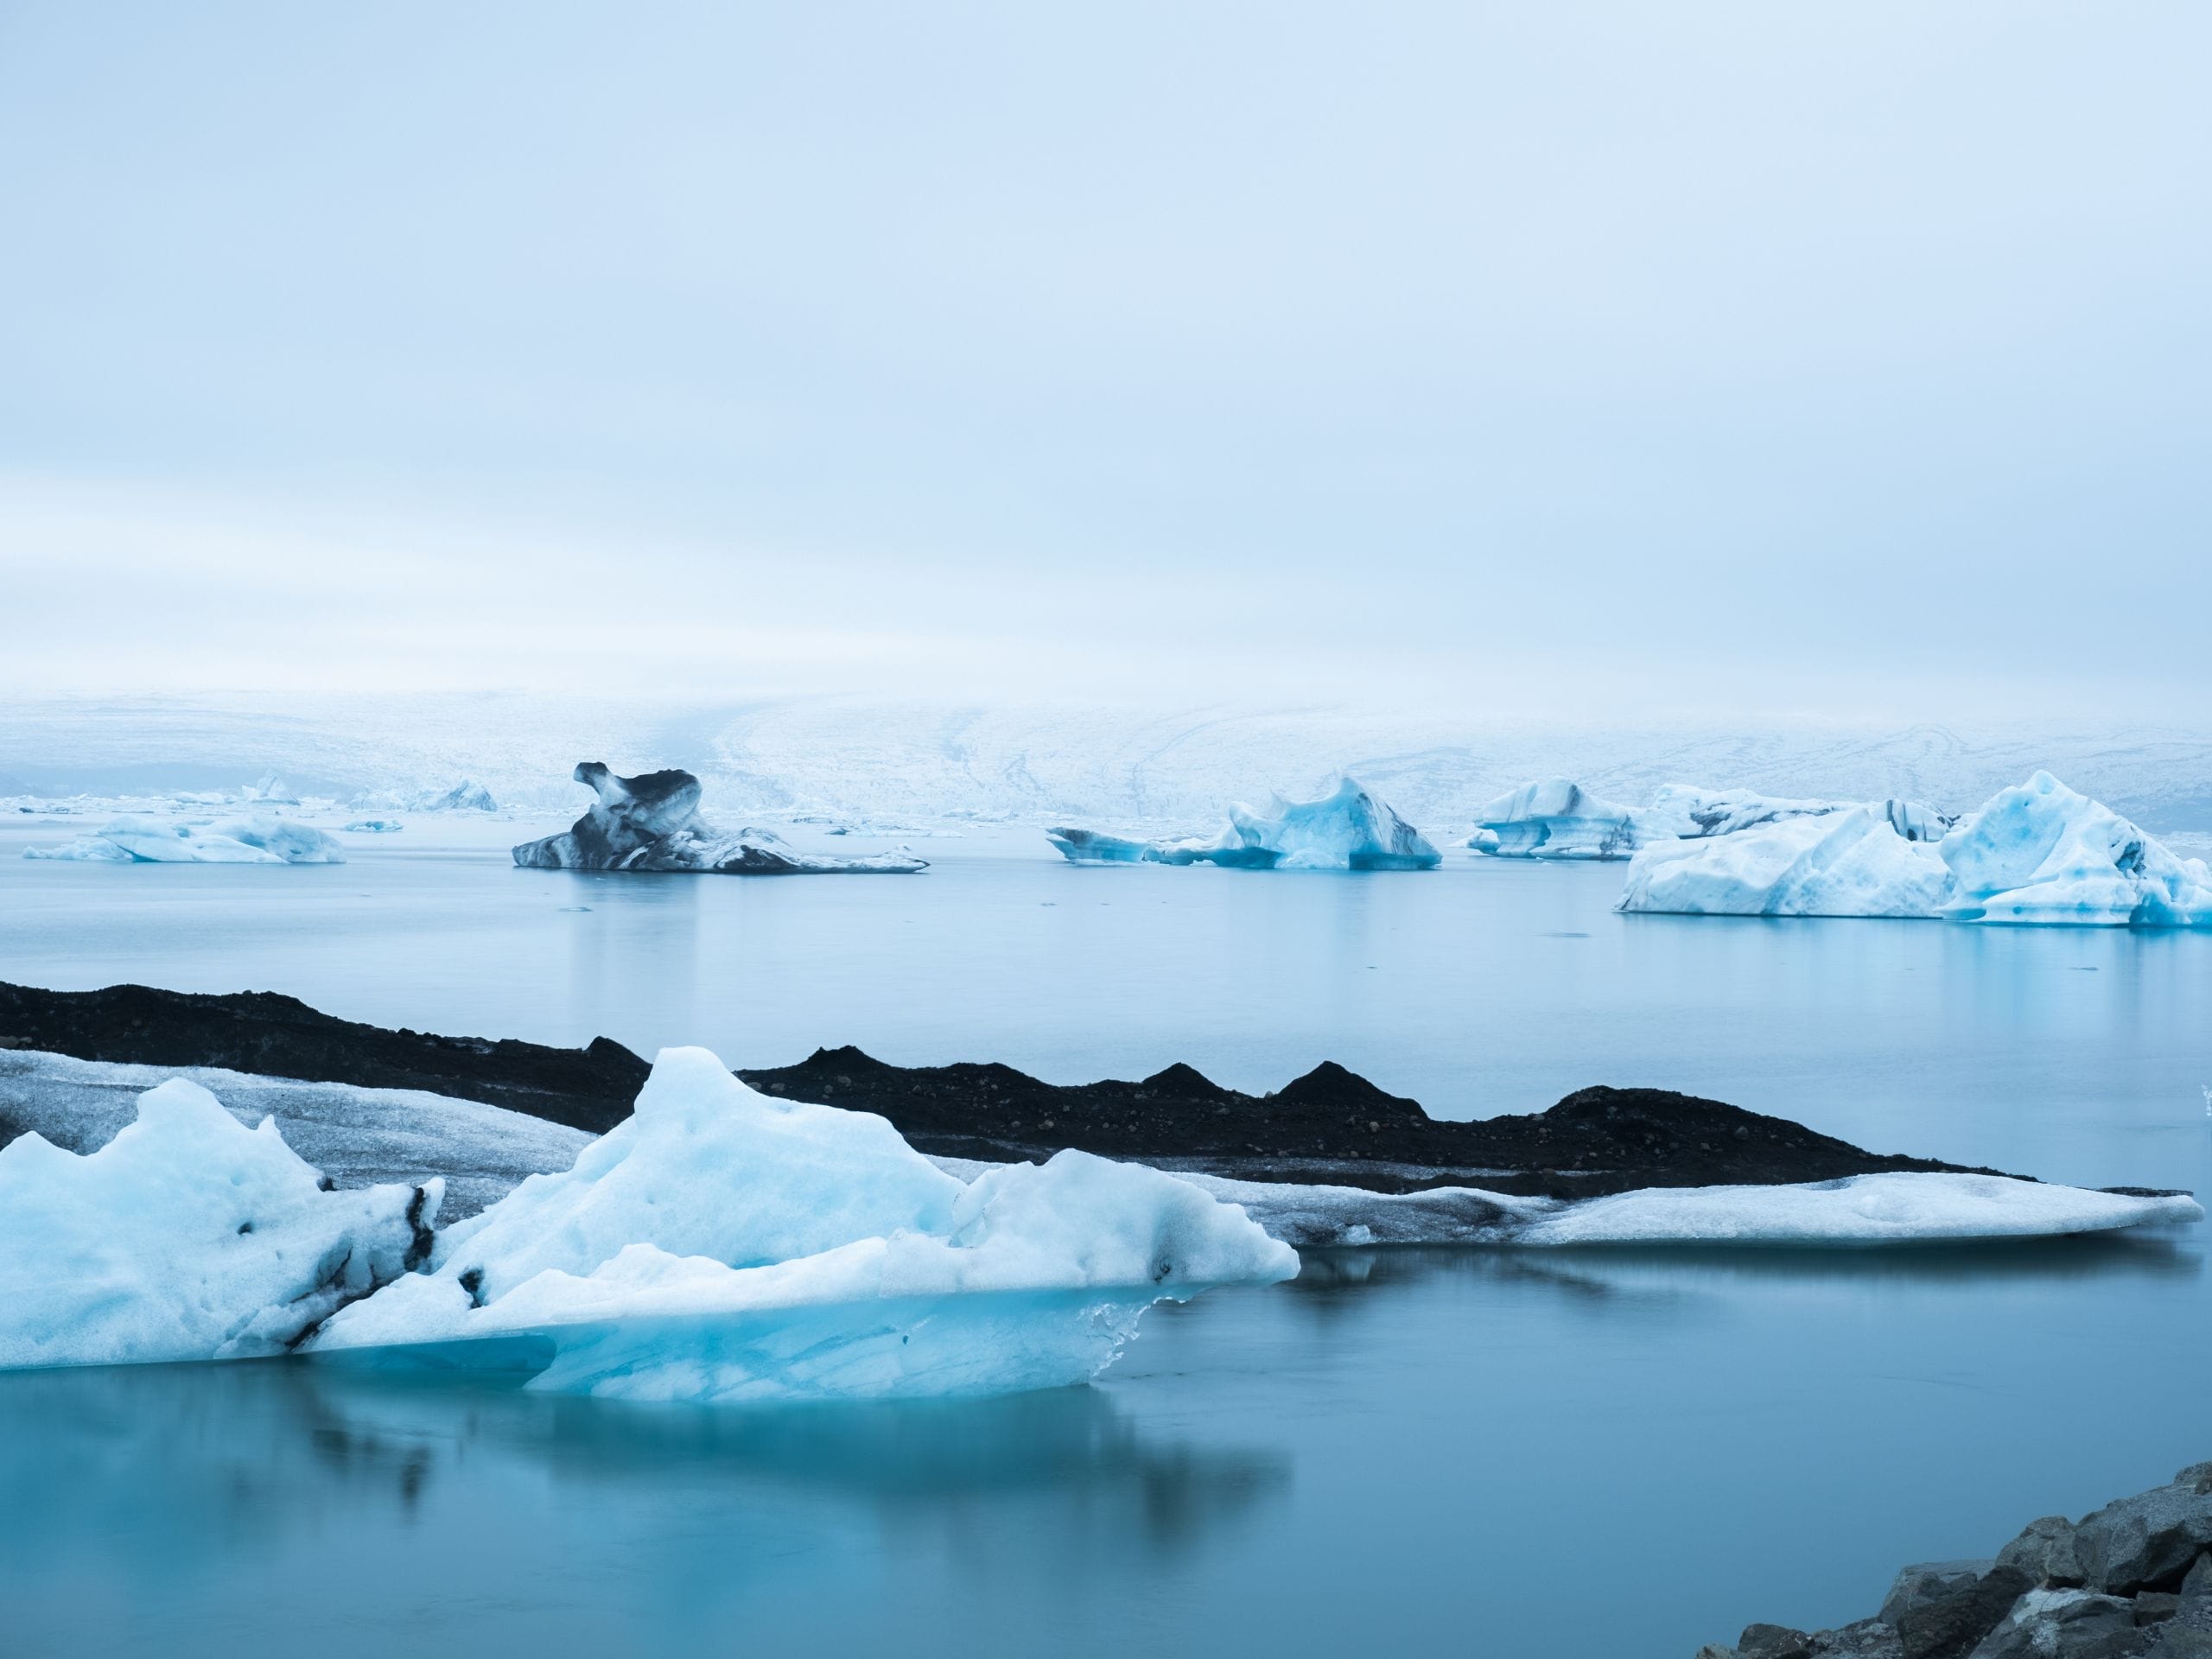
[(651, 823), (375, 827), (263, 838), (2042, 853), (1852, 863), (467, 796), (186, 1237), (721, 1244), (1558, 819), (2039, 854), (1348, 828), (271, 791)]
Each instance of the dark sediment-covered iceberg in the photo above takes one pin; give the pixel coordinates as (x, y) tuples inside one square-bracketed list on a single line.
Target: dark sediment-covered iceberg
[(651, 823), (1348, 828)]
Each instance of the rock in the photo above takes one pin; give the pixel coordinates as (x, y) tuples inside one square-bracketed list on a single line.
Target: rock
[(2156, 1606), (1715, 1650), (1940, 1608), (2065, 1625), (2180, 1642), (2196, 1583), (1870, 1638), (2148, 1541), (2044, 1551), (1773, 1642)]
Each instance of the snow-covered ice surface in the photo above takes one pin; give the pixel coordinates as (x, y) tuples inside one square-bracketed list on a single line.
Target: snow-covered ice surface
[(142, 838), (720, 1244), (910, 761), (2038, 853), (357, 1137), (650, 823), (186, 1235), (1347, 828)]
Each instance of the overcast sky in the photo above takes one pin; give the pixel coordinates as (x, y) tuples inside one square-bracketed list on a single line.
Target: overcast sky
[(1847, 357)]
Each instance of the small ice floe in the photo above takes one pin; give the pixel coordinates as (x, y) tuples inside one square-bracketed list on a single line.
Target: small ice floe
[(263, 838), (1348, 828), (1859, 1209)]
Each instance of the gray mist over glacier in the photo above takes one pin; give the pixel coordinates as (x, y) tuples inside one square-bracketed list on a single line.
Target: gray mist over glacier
[(1641, 371)]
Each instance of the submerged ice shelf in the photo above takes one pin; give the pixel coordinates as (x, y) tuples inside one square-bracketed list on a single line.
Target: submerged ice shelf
[(652, 823), (1348, 828), (2038, 853)]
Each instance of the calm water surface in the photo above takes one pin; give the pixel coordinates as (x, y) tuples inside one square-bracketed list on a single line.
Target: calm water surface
[(1595, 1453)]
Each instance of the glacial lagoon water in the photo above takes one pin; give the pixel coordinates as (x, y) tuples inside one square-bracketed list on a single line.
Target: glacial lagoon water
[(1602, 1453)]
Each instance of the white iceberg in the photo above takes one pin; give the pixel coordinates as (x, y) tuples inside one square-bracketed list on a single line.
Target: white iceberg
[(375, 827), (467, 796), (1853, 863), (186, 1237), (2042, 853), (1348, 828), (650, 823), (2038, 854), (263, 838), (271, 791), (1559, 819), (722, 1244)]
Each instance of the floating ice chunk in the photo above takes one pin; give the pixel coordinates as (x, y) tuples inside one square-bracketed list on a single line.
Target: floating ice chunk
[(2042, 853), (724, 1244), (87, 849), (375, 827), (1561, 819), (1348, 828), (1557, 818), (1851, 863), (467, 796), (271, 791), (651, 823), (1858, 1209), (263, 838), (1896, 1209), (2036, 853), (186, 1237), (285, 838)]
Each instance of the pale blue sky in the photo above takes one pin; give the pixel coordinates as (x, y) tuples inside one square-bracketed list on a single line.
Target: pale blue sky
[(1848, 356)]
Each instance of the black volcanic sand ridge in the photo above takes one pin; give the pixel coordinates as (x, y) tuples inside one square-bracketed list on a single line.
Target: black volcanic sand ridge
[(1329, 1126)]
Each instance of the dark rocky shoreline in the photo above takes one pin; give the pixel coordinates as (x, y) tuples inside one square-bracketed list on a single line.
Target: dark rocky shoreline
[(1329, 1126), (2132, 1579)]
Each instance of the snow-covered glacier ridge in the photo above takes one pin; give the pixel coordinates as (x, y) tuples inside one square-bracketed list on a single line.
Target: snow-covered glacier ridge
[(2036, 853)]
